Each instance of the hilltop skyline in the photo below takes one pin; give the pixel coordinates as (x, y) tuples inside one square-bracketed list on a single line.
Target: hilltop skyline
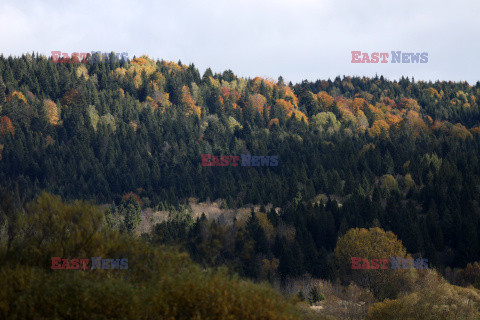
[(296, 40)]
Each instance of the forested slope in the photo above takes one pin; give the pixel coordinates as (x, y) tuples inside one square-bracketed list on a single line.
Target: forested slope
[(402, 155)]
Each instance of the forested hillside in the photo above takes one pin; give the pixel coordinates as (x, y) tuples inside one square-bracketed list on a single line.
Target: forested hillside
[(352, 153)]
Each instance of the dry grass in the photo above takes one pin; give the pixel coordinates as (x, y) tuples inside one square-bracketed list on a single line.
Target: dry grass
[(149, 219), (212, 210)]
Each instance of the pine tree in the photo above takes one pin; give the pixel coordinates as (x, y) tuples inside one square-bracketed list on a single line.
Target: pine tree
[(3, 90), (315, 295), (132, 212)]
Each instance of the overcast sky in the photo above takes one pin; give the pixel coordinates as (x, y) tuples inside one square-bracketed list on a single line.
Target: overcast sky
[(297, 39)]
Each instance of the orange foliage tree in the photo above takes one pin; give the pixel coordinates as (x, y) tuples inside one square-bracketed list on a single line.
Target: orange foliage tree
[(475, 130), (133, 195), (357, 104), (394, 120), (189, 103), (290, 109), (290, 96), (272, 122), (324, 100), (71, 97), (6, 126), (258, 102), (268, 84), (389, 102)]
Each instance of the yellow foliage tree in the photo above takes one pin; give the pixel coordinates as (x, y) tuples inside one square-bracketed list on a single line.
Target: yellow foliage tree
[(362, 121), (138, 66), (409, 104), (93, 116), (432, 92), (52, 111), (173, 67), (16, 95), (82, 71), (347, 116), (379, 129), (120, 72), (389, 184), (232, 123), (159, 78), (370, 244)]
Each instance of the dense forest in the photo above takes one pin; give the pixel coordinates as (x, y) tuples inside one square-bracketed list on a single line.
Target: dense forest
[(352, 152)]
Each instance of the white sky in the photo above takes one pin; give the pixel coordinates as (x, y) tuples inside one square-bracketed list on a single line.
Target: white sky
[(298, 39)]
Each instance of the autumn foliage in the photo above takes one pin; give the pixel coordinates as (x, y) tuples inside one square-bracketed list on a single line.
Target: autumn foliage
[(16, 96), (51, 111), (189, 104), (6, 126), (272, 122), (370, 244), (409, 104), (290, 110), (379, 128), (133, 195), (324, 99), (71, 97), (258, 101)]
